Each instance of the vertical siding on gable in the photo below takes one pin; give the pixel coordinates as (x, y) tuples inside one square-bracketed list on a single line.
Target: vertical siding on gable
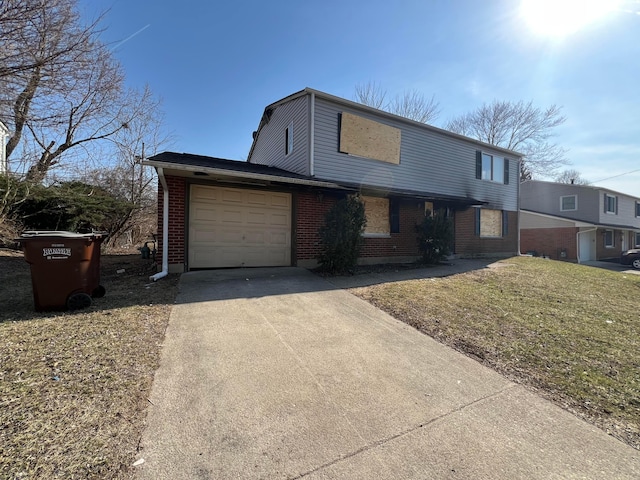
[(429, 161), (270, 145)]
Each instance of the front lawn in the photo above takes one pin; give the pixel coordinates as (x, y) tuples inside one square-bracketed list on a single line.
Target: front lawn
[(74, 385), (569, 331)]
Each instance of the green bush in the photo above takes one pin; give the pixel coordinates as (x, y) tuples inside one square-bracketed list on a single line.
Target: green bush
[(435, 236), (341, 236)]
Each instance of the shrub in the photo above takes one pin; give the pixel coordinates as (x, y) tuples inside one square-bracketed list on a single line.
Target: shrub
[(341, 236), (435, 236)]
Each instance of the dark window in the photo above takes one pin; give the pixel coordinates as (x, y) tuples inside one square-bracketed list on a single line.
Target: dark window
[(610, 204), (637, 209), (609, 239), (492, 168), (394, 216)]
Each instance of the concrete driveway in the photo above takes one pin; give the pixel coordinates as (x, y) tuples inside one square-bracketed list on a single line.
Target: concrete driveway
[(276, 373)]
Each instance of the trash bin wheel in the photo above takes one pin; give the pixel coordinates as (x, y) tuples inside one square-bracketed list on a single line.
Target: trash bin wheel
[(98, 292), (78, 301)]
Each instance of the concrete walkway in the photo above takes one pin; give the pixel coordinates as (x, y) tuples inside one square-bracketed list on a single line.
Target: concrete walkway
[(278, 374)]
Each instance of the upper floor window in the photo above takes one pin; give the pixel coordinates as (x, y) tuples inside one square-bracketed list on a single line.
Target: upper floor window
[(288, 139), (610, 203), (637, 209), (492, 168), (568, 202)]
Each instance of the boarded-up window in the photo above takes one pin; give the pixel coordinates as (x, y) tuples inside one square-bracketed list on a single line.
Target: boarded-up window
[(377, 212), (366, 138), (428, 209), (490, 223)]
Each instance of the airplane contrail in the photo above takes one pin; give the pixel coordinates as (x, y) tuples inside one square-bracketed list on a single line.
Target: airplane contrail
[(131, 36)]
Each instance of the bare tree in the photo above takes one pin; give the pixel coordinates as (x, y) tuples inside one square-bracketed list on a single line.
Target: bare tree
[(571, 176), (62, 88), (410, 104), (517, 126)]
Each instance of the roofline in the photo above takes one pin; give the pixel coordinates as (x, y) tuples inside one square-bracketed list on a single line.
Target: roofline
[(579, 185), (239, 174), (580, 223), (310, 182), (366, 108)]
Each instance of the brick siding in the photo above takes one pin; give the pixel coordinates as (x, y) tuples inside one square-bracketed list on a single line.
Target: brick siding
[(467, 243), (310, 211), (177, 197), (550, 242)]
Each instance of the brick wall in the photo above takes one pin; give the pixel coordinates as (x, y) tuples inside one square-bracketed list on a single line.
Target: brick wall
[(467, 243), (177, 198), (309, 217), (550, 242), (603, 252)]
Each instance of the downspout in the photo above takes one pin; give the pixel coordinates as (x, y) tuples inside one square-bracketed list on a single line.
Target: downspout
[(578, 241), (312, 132), (165, 228), (518, 203)]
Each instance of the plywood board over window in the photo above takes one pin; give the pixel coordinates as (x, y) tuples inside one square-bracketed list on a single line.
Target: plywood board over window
[(490, 223), (366, 138), (376, 210)]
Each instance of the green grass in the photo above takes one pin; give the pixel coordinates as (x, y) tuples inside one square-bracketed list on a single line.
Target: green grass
[(74, 386), (571, 332)]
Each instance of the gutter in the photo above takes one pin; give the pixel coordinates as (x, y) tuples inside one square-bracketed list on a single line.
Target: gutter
[(239, 174), (165, 228)]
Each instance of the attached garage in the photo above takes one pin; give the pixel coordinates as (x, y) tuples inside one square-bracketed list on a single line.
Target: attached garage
[(234, 227)]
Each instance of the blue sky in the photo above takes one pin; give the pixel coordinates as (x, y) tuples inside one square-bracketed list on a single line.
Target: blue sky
[(216, 65)]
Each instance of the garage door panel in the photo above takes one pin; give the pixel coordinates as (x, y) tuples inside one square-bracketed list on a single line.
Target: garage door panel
[(235, 227)]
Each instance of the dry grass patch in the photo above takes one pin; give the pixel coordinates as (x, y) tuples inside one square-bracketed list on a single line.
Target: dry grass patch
[(572, 332), (74, 386)]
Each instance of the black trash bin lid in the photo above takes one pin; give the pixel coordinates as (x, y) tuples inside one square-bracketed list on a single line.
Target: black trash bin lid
[(53, 233)]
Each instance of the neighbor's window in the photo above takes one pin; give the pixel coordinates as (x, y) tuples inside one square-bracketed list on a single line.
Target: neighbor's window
[(609, 239), (490, 222), (569, 202), (637, 240), (288, 139), (637, 209), (492, 168), (376, 210), (610, 203)]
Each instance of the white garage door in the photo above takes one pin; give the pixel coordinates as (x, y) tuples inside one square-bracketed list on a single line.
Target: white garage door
[(232, 227)]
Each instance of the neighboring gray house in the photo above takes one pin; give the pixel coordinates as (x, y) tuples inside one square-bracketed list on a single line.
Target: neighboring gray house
[(311, 149), (577, 222), (4, 133)]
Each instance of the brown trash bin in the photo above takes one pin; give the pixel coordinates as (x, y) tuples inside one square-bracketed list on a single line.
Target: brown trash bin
[(65, 268)]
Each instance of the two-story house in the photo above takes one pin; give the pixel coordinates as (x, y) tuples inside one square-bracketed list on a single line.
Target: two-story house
[(311, 149), (577, 222)]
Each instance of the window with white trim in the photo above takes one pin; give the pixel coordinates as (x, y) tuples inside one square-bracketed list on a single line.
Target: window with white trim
[(568, 203), (609, 239), (610, 204), (288, 139), (637, 240)]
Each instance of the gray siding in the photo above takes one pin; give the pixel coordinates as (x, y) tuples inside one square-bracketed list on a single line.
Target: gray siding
[(545, 197), (429, 161), (269, 148), (626, 214)]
